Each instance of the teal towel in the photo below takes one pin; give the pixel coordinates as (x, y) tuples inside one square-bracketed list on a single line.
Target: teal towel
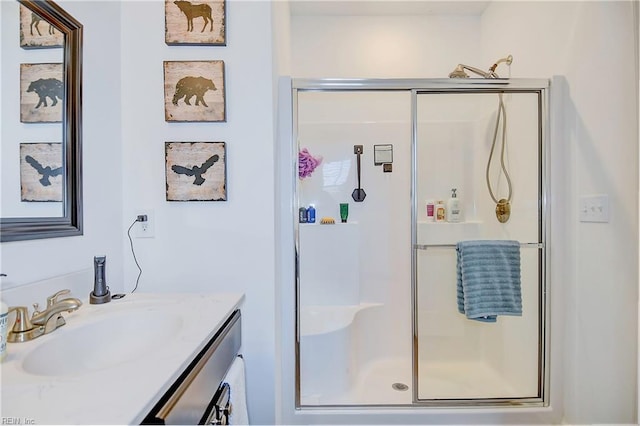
[(488, 279)]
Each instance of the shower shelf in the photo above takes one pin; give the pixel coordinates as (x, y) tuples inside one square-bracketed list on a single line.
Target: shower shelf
[(337, 223), (466, 222)]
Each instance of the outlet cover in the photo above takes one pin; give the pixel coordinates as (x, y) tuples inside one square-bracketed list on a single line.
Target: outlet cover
[(145, 229)]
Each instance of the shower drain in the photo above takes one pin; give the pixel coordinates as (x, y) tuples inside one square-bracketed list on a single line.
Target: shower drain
[(400, 387)]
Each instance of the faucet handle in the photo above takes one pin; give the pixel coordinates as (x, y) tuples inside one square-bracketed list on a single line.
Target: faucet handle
[(22, 322), (51, 300)]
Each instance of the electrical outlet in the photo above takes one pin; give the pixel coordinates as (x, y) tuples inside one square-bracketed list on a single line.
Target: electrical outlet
[(145, 229)]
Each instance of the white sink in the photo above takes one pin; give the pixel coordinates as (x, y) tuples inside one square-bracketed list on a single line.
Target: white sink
[(124, 354), (122, 337)]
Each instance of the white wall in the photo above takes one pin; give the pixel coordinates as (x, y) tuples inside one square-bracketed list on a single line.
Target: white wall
[(199, 247), (28, 261), (206, 246), (585, 41), (281, 36), (382, 46)]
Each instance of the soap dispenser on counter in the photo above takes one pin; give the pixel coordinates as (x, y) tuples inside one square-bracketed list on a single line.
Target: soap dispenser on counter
[(454, 208)]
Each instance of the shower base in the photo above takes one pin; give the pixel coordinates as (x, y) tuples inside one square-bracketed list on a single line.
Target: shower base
[(462, 380), (438, 380), (373, 386)]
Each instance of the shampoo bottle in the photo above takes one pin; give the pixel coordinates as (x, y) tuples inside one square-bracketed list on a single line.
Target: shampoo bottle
[(302, 215), (454, 208), (440, 211), (431, 210), (311, 214)]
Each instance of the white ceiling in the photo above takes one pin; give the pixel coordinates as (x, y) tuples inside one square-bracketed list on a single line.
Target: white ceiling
[(387, 7)]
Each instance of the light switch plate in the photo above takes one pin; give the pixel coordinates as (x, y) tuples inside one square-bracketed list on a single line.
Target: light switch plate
[(594, 208)]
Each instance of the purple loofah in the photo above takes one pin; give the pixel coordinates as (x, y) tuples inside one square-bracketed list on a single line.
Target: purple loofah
[(307, 163)]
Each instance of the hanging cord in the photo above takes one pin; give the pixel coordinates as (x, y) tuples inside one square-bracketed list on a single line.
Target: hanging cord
[(501, 112), (134, 255)]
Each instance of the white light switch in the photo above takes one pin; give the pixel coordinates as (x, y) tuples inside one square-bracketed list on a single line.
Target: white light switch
[(594, 208)]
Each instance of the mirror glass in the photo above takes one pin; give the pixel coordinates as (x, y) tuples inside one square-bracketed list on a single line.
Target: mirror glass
[(41, 121)]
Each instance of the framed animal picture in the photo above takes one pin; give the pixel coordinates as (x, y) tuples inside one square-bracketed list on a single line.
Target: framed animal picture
[(36, 32), (194, 91), (41, 171), (200, 22), (41, 93), (196, 171)]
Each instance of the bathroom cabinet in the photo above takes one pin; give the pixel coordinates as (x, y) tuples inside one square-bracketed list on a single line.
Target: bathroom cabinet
[(199, 396)]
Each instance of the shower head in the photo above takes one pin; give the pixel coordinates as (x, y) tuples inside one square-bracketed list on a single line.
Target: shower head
[(460, 72)]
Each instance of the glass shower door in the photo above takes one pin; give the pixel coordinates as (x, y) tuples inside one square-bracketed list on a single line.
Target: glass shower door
[(354, 262), (458, 356)]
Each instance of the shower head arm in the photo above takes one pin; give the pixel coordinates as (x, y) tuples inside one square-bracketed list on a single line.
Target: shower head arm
[(508, 60), (485, 74)]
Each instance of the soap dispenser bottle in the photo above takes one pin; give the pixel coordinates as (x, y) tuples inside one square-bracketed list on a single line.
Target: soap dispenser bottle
[(454, 208)]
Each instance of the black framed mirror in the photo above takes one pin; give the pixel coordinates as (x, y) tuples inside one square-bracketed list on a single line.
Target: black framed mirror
[(16, 227)]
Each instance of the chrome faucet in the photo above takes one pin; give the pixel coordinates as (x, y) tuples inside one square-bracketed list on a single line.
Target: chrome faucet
[(41, 322)]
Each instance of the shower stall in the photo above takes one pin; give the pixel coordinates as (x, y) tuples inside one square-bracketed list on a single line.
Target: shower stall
[(377, 273)]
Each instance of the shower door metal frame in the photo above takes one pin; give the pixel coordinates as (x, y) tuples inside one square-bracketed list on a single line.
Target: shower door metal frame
[(445, 85), (531, 86)]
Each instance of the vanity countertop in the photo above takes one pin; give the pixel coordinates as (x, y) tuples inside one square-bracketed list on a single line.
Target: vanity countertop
[(114, 388)]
